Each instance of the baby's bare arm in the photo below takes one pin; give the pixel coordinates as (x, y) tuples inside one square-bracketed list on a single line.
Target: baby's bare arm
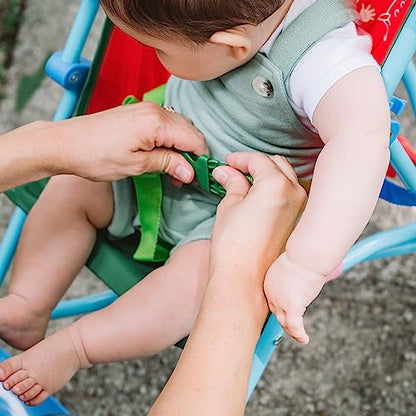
[(353, 120)]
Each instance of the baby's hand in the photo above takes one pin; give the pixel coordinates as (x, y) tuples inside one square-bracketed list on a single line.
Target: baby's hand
[(290, 288)]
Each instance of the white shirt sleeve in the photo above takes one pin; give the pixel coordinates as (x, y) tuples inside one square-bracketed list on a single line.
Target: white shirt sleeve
[(337, 54)]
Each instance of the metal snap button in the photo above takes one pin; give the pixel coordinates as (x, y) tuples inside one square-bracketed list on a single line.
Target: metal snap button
[(262, 86)]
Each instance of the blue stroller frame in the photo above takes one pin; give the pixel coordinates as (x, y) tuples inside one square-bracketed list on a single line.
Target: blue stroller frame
[(70, 70)]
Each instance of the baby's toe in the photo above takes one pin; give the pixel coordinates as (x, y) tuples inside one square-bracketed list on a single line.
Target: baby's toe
[(38, 399), (31, 393), (10, 366), (23, 386), (14, 379)]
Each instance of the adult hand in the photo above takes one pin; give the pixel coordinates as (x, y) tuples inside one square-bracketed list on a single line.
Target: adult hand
[(128, 141), (253, 223), (251, 228)]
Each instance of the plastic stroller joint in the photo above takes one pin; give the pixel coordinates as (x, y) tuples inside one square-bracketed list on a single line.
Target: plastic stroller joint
[(70, 76), (394, 130), (397, 105)]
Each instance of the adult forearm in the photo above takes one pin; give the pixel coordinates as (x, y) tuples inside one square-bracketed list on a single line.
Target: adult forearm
[(28, 154), (125, 141), (212, 375), (235, 315)]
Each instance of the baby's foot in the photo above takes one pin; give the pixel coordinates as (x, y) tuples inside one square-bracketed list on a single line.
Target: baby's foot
[(21, 325), (45, 368)]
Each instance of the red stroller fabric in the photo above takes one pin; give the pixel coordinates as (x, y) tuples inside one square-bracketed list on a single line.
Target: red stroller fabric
[(382, 19), (128, 67)]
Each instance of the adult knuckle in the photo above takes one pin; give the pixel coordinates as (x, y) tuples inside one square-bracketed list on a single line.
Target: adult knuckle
[(157, 119), (288, 193), (148, 106), (268, 290), (280, 183), (201, 140), (165, 161), (281, 188), (271, 302), (224, 205), (159, 128), (40, 124), (299, 196), (141, 165)]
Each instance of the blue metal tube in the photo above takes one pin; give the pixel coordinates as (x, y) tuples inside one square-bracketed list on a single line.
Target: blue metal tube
[(9, 243), (400, 55), (80, 30), (399, 59), (403, 165), (409, 80), (83, 305), (72, 52), (66, 106), (266, 345), (378, 243), (402, 249)]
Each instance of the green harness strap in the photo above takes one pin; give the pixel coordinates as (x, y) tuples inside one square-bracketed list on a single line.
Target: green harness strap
[(149, 200)]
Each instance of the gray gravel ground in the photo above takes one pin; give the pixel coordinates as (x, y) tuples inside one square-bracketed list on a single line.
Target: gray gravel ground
[(362, 355)]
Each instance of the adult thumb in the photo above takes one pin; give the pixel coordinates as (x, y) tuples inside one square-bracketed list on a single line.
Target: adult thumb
[(168, 161), (234, 182)]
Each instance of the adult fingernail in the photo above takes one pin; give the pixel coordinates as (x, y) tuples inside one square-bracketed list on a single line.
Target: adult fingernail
[(182, 174), (220, 176)]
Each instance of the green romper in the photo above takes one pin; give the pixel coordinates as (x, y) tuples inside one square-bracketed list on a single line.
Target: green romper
[(246, 109)]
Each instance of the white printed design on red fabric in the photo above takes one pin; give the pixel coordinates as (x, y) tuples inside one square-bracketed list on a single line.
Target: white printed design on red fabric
[(392, 11)]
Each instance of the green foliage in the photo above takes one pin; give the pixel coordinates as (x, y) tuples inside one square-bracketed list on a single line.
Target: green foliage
[(28, 86), (11, 12), (12, 17)]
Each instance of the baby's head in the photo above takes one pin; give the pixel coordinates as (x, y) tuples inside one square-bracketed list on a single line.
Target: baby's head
[(199, 39)]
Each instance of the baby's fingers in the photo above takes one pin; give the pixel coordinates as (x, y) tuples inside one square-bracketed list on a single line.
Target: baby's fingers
[(294, 326), (292, 323)]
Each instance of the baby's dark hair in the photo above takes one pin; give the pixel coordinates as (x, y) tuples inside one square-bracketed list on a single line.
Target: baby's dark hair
[(195, 20)]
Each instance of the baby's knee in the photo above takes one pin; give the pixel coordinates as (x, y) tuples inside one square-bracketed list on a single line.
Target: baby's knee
[(65, 188), (80, 197), (193, 258), (189, 266)]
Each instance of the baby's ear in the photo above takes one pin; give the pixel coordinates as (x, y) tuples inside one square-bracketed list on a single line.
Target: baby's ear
[(236, 39)]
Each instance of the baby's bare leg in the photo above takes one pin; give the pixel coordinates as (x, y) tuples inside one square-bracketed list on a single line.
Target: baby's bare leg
[(153, 315), (56, 241)]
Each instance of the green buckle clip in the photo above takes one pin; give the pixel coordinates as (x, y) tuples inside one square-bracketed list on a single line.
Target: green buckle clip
[(203, 166)]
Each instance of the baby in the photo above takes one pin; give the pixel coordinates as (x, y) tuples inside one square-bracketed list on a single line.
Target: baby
[(281, 77)]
